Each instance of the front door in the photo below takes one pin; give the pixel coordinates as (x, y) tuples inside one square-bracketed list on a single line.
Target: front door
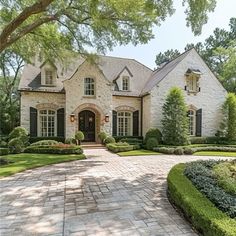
[(87, 125)]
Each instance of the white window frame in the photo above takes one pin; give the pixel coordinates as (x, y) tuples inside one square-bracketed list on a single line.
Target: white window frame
[(47, 115), (125, 83), (192, 122), (49, 81), (123, 131), (91, 83)]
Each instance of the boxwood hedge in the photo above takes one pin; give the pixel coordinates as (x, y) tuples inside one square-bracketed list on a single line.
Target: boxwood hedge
[(197, 208), (120, 147)]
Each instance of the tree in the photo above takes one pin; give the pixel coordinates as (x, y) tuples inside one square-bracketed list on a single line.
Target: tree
[(175, 122), (97, 24), (166, 56), (228, 125)]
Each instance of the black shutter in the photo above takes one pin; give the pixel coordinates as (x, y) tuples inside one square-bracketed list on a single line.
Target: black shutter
[(136, 123), (33, 122), (199, 122), (61, 122), (114, 123)]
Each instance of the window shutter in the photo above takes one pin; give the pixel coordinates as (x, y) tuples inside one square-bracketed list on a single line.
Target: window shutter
[(199, 122), (114, 123), (33, 122), (136, 123), (61, 122)]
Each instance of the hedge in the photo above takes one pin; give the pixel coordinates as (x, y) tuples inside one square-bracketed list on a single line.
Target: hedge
[(211, 140), (120, 147), (197, 208), (119, 138), (36, 139), (54, 149), (45, 143), (4, 151)]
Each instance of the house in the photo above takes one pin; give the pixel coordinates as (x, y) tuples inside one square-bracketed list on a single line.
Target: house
[(117, 95)]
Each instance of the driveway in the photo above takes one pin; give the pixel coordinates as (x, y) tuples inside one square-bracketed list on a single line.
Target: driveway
[(103, 195)]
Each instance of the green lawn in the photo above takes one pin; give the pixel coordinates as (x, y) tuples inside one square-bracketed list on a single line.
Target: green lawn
[(140, 152), (211, 153), (26, 161)]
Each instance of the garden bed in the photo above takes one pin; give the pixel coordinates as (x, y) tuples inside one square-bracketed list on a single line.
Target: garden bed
[(197, 208)]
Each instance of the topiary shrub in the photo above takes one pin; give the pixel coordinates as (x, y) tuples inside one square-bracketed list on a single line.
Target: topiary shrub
[(102, 136), (151, 143), (70, 141), (18, 132), (188, 151), (4, 151), (153, 133), (165, 150), (16, 145), (44, 143), (79, 136), (109, 140), (179, 151), (119, 147), (56, 138)]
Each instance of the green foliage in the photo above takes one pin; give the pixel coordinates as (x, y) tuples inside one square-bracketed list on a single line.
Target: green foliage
[(70, 149), (175, 121), (18, 132), (197, 208), (4, 161), (3, 144), (228, 125), (79, 136), (165, 150), (132, 141), (70, 141), (140, 152), (151, 143), (201, 175), (36, 139), (109, 139), (166, 56), (44, 143), (119, 147), (225, 174), (153, 133), (179, 151), (102, 136), (4, 151), (16, 145), (119, 138)]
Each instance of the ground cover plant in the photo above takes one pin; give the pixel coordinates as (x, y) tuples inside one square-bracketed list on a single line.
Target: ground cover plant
[(24, 161)]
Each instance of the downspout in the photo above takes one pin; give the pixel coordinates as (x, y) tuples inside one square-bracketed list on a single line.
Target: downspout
[(141, 116)]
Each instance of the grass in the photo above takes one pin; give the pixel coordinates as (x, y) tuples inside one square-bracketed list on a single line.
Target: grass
[(211, 153), (140, 152), (25, 161)]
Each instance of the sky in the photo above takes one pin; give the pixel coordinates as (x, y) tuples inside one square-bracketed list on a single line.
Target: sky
[(174, 34)]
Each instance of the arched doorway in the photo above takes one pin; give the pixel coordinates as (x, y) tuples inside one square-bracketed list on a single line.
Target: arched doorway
[(87, 125)]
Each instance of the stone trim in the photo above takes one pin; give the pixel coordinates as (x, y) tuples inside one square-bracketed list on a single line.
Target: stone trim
[(125, 108), (43, 106)]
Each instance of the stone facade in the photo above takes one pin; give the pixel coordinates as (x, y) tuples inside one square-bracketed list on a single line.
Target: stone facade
[(144, 95)]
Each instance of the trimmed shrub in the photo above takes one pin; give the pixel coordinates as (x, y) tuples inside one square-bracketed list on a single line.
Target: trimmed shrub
[(197, 208), (3, 144), (102, 136), (79, 136), (132, 141), (179, 151), (151, 143), (188, 151), (201, 175), (44, 143), (36, 139), (17, 132), (119, 147), (153, 133), (109, 139), (59, 149), (119, 138), (4, 151), (165, 150), (16, 145), (198, 140), (70, 141)]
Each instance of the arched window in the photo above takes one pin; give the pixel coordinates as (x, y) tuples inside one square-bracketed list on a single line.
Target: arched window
[(124, 123), (125, 83), (47, 123), (89, 87), (192, 122)]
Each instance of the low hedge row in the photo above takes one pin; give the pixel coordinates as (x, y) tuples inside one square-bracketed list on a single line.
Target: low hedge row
[(190, 150), (120, 147), (197, 208), (119, 138), (201, 175), (4, 151), (46, 142), (36, 139), (211, 140), (54, 149)]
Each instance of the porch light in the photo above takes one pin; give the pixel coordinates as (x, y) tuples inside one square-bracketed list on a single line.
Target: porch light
[(72, 117), (106, 118)]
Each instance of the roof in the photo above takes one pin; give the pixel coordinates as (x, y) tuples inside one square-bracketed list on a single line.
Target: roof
[(159, 74)]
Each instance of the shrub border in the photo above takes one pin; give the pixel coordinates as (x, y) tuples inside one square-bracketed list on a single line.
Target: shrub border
[(196, 207)]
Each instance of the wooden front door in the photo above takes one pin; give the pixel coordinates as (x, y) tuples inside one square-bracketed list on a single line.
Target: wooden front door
[(87, 125)]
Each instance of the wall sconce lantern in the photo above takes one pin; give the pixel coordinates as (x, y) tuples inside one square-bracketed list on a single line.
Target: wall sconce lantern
[(106, 118), (72, 117)]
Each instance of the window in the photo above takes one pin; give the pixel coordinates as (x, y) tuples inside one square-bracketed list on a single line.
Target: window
[(192, 122), (124, 120), (125, 83), (192, 83), (89, 86), (49, 77), (47, 119)]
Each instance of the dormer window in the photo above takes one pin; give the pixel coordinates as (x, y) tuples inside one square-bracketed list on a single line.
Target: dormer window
[(192, 81), (49, 77), (125, 83)]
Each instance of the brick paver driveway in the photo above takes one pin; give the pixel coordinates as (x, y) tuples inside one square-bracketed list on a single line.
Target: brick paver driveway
[(103, 195)]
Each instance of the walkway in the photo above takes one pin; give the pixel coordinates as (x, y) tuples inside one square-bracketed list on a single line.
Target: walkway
[(103, 195)]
